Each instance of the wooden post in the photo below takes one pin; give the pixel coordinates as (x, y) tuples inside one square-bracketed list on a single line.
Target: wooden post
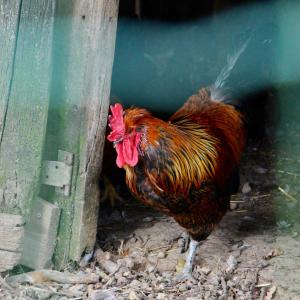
[(55, 71), (9, 22), (84, 39), (25, 71)]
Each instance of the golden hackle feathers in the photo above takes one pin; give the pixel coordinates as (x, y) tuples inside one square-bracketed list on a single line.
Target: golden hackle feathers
[(192, 158), (189, 149)]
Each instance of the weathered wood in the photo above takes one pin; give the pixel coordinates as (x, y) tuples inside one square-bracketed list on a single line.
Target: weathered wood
[(84, 39), (26, 114), (11, 232), (8, 260), (97, 80), (40, 235), (11, 221), (10, 244), (79, 70), (9, 22), (11, 240)]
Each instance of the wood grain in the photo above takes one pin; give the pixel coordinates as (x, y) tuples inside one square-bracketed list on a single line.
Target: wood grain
[(25, 120), (9, 23), (84, 39), (40, 235), (12, 238)]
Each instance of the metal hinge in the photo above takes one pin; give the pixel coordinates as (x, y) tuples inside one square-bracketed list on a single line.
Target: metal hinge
[(59, 173)]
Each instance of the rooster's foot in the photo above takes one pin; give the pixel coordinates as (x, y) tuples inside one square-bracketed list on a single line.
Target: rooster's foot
[(184, 276)]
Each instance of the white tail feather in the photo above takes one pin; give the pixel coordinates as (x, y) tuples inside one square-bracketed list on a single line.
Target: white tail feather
[(218, 92)]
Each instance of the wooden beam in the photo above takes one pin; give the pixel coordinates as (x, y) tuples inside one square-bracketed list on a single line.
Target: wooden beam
[(9, 23), (97, 80), (11, 237), (26, 110), (25, 72), (9, 259), (84, 39), (40, 235)]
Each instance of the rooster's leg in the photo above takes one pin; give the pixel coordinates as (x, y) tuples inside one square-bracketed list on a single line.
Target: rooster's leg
[(110, 194), (184, 242), (190, 257), (186, 272)]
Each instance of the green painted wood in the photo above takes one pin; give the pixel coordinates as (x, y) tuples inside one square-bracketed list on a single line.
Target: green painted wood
[(9, 22), (26, 108), (84, 39)]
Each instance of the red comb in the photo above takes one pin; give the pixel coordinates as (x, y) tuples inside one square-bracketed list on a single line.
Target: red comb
[(116, 123)]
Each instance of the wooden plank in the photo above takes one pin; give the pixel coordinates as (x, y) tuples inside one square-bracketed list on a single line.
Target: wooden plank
[(97, 81), (26, 114), (11, 232), (8, 260), (40, 235), (83, 53), (11, 237), (9, 22), (11, 221)]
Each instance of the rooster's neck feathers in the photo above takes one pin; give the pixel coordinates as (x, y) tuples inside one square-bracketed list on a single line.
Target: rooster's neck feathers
[(175, 156)]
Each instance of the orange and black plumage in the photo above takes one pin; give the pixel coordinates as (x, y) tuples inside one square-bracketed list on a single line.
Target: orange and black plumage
[(186, 166)]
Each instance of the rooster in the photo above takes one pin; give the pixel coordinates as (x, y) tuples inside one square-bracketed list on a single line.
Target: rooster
[(186, 167)]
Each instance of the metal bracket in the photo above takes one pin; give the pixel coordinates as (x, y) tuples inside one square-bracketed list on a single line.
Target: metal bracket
[(59, 173)]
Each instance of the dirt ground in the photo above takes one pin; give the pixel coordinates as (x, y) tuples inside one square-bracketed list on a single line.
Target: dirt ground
[(254, 254)]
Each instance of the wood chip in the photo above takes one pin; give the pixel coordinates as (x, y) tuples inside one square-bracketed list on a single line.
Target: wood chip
[(246, 188), (109, 266), (132, 295), (261, 285), (273, 253), (231, 264), (4, 283), (51, 275), (102, 295), (284, 192), (271, 293), (205, 270)]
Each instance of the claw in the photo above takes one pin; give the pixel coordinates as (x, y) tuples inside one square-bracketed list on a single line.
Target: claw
[(184, 276)]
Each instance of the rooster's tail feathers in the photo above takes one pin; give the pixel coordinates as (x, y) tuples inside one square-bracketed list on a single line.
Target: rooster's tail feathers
[(218, 90)]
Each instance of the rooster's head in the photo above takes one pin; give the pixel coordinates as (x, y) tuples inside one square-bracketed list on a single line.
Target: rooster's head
[(125, 138)]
